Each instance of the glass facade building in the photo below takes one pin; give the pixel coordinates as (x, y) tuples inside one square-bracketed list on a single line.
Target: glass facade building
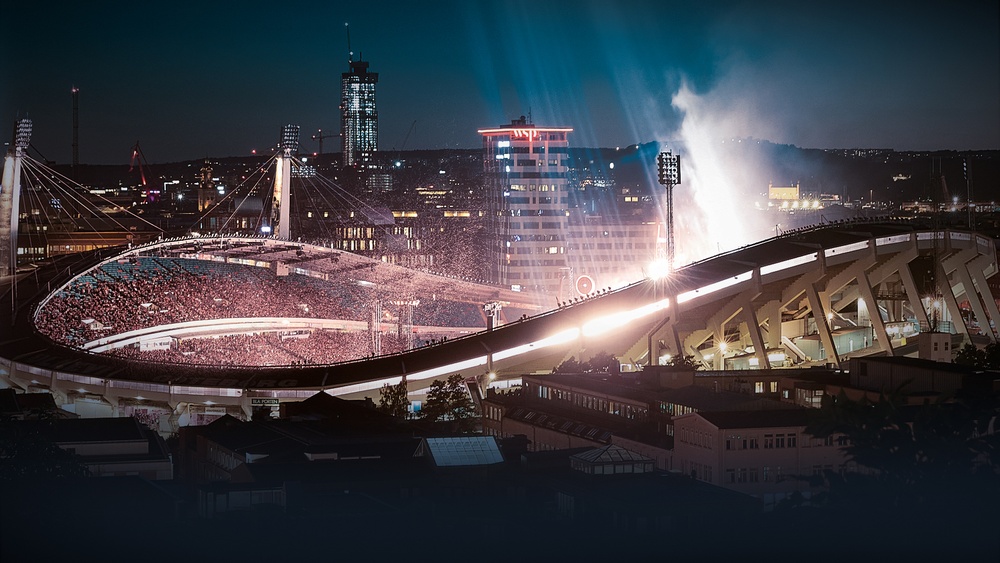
[(359, 116)]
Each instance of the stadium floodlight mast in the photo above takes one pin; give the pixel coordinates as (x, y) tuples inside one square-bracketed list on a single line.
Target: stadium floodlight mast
[(290, 139), (23, 137), (668, 166)]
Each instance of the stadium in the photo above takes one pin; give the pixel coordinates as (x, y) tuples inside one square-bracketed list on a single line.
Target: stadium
[(181, 331)]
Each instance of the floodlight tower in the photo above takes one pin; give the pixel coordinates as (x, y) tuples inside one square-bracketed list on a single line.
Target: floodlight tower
[(281, 203), (668, 168), (9, 198)]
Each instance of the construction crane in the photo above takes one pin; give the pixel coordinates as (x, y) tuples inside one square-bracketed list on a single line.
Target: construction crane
[(138, 157), (405, 139), (319, 136)]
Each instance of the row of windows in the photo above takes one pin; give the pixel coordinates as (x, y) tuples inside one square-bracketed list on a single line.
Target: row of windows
[(531, 275), (544, 250), (759, 386), (615, 234), (492, 412), (534, 187), (771, 441), (777, 441), (518, 212), (540, 149), (541, 162), (536, 175), (591, 402), (603, 245), (536, 263), (674, 409), (695, 438), (530, 200)]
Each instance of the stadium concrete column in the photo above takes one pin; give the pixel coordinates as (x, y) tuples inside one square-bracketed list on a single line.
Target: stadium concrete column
[(719, 339), (977, 270), (663, 335), (772, 312), (753, 327), (958, 263), (864, 285), (866, 281), (821, 318), (913, 296), (950, 302)]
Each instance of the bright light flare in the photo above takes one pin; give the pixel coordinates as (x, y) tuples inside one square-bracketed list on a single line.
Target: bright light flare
[(659, 268), (554, 340), (603, 324)]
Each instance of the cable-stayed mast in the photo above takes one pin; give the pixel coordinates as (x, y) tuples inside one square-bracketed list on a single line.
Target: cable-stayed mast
[(10, 198), (281, 199)]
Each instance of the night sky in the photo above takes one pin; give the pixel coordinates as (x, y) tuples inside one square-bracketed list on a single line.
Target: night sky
[(189, 80)]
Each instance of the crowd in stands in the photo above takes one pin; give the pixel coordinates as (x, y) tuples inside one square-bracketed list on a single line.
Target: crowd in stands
[(145, 292)]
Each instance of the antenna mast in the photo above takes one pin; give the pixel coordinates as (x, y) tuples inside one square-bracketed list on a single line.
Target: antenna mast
[(350, 53), (76, 130)]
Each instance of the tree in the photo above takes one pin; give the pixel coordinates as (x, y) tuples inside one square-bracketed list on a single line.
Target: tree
[(571, 366), (27, 454), (992, 356), (912, 455), (970, 355), (392, 399), (604, 362), (450, 401), (682, 362), (600, 362)]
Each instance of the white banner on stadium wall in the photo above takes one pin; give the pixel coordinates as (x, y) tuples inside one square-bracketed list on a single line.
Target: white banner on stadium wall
[(158, 344)]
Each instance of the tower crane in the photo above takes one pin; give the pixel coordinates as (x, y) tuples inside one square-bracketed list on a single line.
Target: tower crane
[(319, 136), (138, 157), (405, 139)]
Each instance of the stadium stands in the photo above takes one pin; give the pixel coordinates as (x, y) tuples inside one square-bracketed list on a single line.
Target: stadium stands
[(144, 292)]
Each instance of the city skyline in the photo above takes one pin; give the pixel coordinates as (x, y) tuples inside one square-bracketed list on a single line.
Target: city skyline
[(208, 81)]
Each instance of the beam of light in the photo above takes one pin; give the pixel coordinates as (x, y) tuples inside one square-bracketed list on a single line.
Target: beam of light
[(563, 337), (606, 323), (415, 376)]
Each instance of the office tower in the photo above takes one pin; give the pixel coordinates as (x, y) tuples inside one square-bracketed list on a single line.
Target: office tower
[(359, 116), (527, 170)]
